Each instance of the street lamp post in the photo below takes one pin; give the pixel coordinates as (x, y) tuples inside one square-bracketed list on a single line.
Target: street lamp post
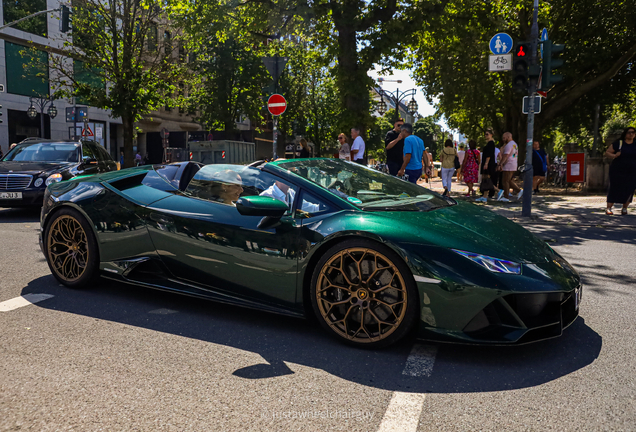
[(397, 97), (42, 103)]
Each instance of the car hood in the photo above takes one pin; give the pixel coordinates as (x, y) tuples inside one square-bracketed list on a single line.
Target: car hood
[(475, 229), (33, 168)]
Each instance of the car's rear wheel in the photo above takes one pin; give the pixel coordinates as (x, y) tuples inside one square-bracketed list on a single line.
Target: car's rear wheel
[(71, 249), (363, 293)]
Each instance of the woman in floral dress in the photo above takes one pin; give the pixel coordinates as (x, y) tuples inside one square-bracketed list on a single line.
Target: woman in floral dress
[(470, 166)]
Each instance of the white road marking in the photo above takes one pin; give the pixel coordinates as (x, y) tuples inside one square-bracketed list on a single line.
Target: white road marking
[(404, 410), (163, 311), (22, 301), (403, 413), (421, 361)]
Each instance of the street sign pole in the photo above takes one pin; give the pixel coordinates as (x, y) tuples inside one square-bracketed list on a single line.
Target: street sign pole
[(526, 209), (275, 137)]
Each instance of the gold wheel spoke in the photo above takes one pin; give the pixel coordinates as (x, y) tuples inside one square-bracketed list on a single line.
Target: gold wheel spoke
[(349, 320), (68, 248)]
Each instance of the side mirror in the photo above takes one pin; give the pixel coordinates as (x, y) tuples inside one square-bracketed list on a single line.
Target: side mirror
[(89, 161), (261, 206)]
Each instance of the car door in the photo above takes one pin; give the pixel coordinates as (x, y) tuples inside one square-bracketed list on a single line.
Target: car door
[(89, 163), (202, 238), (105, 162)]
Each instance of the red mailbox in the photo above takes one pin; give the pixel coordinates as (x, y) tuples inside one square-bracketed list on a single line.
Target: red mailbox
[(576, 168)]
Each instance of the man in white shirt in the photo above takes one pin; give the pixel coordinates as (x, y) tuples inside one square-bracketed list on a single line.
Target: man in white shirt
[(284, 193), (508, 166), (357, 148)]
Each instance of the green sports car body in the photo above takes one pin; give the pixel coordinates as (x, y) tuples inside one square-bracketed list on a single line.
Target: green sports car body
[(370, 255)]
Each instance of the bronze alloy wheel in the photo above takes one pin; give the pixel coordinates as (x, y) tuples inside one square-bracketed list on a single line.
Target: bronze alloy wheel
[(67, 248), (361, 295)]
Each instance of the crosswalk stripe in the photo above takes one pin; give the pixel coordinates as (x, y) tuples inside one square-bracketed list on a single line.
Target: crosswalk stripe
[(22, 301), (404, 410)]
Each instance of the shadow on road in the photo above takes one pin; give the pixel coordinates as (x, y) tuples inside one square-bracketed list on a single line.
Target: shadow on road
[(19, 215), (284, 341)]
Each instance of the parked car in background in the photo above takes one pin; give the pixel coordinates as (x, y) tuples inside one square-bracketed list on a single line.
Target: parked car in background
[(35, 163), (437, 169)]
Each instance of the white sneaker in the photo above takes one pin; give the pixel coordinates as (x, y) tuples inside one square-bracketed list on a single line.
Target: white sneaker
[(481, 199), (503, 199), (520, 194), (499, 194)]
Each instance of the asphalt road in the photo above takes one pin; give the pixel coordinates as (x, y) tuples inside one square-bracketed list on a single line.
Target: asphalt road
[(118, 357)]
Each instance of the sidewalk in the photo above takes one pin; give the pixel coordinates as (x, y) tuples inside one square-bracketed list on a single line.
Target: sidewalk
[(573, 208)]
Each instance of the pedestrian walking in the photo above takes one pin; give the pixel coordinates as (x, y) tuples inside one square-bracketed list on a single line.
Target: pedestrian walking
[(508, 167), (448, 165), (488, 168), (394, 147), (622, 171), (413, 154), (138, 159), (344, 152), (470, 166), (460, 155), (539, 166), (357, 148)]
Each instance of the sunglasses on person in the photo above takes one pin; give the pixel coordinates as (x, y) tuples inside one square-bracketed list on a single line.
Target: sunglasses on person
[(631, 132), (340, 138)]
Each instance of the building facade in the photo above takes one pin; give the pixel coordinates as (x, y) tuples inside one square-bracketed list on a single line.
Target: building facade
[(24, 88)]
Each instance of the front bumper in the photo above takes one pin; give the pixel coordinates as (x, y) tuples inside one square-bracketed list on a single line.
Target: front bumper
[(514, 319), (31, 197)]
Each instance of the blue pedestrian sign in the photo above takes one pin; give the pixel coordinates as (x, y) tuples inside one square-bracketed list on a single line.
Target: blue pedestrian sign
[(501, 43), (544, 37)]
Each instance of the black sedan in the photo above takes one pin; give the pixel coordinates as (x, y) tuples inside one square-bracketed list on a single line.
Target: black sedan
[(32, 165)]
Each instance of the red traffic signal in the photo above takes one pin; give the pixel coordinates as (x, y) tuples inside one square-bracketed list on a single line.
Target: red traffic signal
[(520, 51)]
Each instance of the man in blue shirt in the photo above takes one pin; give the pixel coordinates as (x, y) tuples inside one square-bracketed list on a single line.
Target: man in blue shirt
[(413, 153)]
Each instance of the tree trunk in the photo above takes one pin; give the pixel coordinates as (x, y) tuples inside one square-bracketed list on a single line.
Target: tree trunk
[(129, 129), (353, 83)]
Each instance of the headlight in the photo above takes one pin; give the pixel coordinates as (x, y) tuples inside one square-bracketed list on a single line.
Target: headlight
[(38, 182), (495, 265), (54, 179)]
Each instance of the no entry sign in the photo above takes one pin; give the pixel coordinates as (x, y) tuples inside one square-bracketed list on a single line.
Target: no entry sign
[(276, 104)]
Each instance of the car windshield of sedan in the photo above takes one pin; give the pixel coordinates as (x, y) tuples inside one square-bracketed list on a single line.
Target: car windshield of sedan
[(44, 152), (366, 188)]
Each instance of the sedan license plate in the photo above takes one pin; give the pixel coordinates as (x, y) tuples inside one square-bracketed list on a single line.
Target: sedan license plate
[(10, 195), (577, 297)]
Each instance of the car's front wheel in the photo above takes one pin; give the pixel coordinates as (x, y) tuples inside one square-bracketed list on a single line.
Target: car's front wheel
[(71, 248), (363, 293)]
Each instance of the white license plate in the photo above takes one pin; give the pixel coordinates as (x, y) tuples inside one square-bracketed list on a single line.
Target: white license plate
[(577, 297), (10, 195)]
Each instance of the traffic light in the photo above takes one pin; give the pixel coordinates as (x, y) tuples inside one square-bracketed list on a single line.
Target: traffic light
[(0, 114), (65, 19), (551, 61), (520, 66)]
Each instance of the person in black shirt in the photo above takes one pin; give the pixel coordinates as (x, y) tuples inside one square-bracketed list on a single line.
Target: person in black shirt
[(305, 151), (394, 148)]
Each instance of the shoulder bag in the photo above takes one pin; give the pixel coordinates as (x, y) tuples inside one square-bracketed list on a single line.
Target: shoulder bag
[(456, 161)]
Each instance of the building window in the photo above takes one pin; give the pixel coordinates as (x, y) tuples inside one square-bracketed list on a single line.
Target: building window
[(167, 44), (152, 38), (16, 9), (27, 70)]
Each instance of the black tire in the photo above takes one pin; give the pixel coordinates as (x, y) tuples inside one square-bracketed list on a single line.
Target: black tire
[(363, 283), (71, 249)]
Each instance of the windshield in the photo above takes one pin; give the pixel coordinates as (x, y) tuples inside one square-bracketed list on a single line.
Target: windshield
[(44, 152), (364, 187)]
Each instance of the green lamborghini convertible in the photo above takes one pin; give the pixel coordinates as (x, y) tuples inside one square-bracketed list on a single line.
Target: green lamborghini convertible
[(372, 257)]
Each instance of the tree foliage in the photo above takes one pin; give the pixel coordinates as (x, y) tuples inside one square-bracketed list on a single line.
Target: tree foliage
[(14, 10), (114, 59), (451, 62)]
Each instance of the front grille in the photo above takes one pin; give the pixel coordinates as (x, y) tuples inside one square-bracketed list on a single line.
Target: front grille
[(15, 181)]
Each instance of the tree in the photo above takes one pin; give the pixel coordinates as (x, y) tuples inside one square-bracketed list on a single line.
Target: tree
[(115, 60), (431, 133), (14, 10), (450, 59), (229, 82)]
